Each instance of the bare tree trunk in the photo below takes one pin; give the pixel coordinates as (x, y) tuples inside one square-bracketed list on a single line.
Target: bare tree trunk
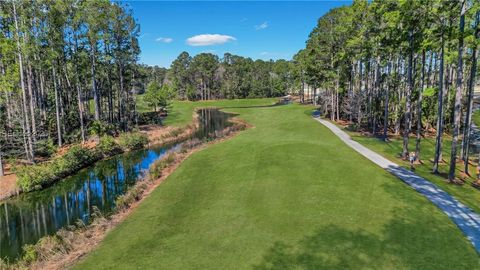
[(302, 93), (29, 146), (419, 109), (96, 98), (360, 91), (406, 128), (458, 97), (429, 72), (471, 82), (80, 111), (42, 90), (7, 103), (79, 92), (332, 111), (438, 140), (468, 120), (385, 120), (337, 94), (377, 90), (57, 106), (1, 166), (121, 106), (31, 100)]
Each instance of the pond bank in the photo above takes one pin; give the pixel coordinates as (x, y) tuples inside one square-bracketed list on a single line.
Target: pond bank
[(30, 216), (156, 134), (68, 246)]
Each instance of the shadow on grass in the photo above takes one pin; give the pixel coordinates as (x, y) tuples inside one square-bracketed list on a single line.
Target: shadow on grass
[(413, 238), (328, 248)]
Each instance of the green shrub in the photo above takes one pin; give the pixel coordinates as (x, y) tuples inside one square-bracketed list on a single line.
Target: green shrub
[(45, 148), (157, 167), (108, 146), (134, 194), (31, 177), (176, 132), (50, 245), (352, 127), (147, 118), (29, 254), (100, 128), (38, 175), (132, 141)]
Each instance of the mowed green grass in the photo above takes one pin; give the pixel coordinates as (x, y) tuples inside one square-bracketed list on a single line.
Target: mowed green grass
[(181, 112), (392, 150), (285, 194), (476, 118)]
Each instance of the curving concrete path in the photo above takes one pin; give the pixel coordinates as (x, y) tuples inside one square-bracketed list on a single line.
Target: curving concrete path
[(467, 220)]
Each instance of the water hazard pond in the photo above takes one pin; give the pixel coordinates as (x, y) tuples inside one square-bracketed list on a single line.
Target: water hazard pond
[(28, 217)]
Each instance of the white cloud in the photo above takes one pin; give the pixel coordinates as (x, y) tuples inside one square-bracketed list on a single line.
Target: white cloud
[(261, 26), (164, 39), (209, 39), (265, 53)]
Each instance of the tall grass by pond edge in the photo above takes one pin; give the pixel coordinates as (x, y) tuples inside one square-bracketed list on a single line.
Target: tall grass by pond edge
[(68, 245)]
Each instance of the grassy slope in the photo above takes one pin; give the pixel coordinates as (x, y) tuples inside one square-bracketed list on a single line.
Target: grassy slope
[(282, 195), (391, 150)]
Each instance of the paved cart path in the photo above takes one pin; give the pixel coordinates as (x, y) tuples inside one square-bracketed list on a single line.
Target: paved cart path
[(467, 220)]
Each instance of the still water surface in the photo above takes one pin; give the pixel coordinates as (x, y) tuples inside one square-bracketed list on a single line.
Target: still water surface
[(30, 216)]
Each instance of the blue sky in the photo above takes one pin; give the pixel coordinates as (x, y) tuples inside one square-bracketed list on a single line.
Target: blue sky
[(260, 30)]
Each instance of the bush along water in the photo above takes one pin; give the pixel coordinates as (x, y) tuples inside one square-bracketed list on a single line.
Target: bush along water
[(37, 176), (107, 146), (132, 141), (34, 177), (79, 237)]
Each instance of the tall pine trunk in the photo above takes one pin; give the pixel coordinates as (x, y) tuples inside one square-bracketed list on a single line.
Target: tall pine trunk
[(337, 93), (79, 92), (1, 166), (406, 128), (438, 139), (419, 109), (458, 97), (31, 101), (385, 116), (471, 82), (57, 106), (26, 121), (96, 97)]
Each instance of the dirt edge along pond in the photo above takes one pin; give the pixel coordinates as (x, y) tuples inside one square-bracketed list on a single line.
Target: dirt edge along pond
[(30, 216)]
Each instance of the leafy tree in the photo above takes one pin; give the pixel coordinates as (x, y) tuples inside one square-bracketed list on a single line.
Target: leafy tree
[(158, 96)]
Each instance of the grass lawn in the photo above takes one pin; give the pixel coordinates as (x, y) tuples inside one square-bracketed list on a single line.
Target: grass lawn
[(476, 118), (286, 194), (180, 113), (392, 150)]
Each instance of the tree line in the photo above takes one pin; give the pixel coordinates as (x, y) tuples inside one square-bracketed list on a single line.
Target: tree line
[(56, 56), (70, 67), (207, 76), (404, 66)]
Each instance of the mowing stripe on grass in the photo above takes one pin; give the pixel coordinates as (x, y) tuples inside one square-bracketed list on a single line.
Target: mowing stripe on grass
[(467, 220)]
